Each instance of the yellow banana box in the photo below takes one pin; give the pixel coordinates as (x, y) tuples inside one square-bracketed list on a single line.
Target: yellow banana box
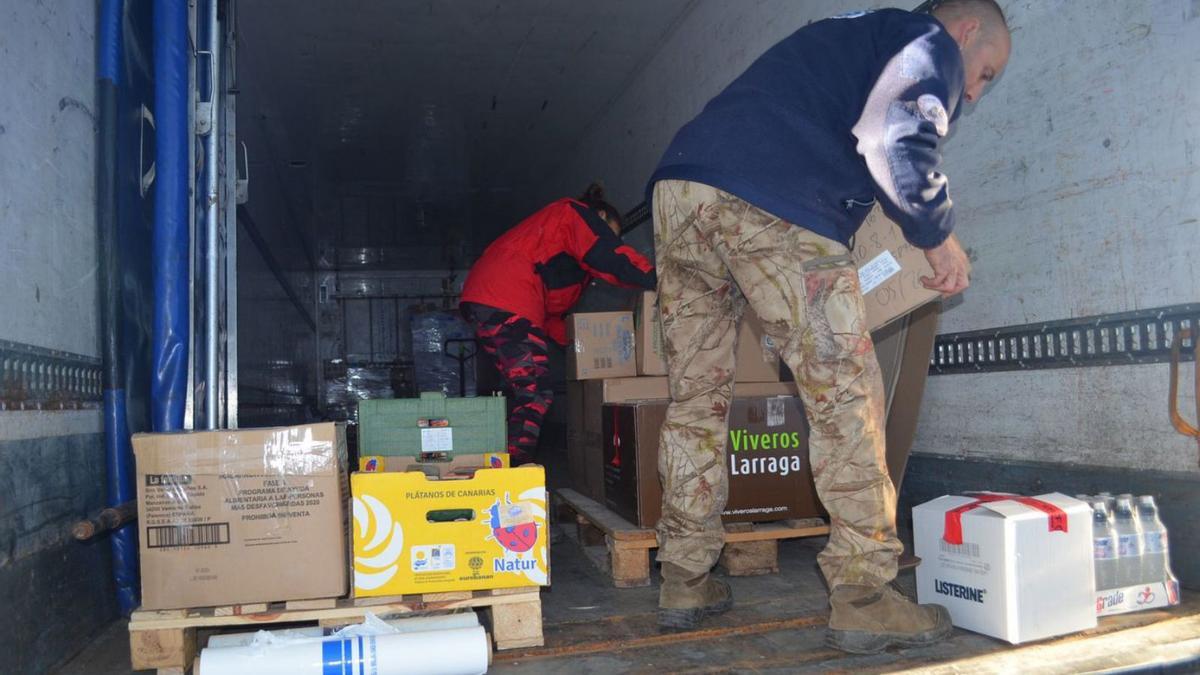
[(491, 460), (417, 534)]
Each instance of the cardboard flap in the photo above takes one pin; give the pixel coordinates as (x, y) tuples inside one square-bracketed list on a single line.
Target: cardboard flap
[(943, 504), (305, 450), (1015, 510), (1005, 509)]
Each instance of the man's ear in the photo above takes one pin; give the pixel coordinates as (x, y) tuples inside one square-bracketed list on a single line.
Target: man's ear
[(969, 30)]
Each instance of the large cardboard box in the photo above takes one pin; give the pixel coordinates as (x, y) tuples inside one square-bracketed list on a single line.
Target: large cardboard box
[(1016, 568), (585, 451), (651, 357), (756, 360), (496, 537), (889, 271), (491, 460), (224, 517), (601, 344), (626, 389), (903, 348), (769, 474), (585, 446)]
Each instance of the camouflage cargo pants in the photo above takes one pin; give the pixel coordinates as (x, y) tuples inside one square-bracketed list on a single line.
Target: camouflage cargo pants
[(714, 253)]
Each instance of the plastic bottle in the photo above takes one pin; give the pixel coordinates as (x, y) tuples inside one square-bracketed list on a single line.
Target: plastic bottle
[(1104, 547), (1155, 556), (1110, 502), (1129, 542)]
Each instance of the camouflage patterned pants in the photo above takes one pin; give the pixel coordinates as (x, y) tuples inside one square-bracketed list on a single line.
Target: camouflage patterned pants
[(716, 252)]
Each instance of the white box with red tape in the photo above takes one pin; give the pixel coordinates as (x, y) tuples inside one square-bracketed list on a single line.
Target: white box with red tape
[(1013, 567)]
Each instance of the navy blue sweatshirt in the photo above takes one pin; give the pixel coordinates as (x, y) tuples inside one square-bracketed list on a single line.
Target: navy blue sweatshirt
[(840, 113)]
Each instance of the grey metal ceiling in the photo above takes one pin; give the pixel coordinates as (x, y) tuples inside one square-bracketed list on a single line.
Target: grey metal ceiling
[(452, 101)]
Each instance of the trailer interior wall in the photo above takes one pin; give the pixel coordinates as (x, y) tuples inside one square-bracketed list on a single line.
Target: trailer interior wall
[(55, 592), (1077, 189), (398, 140), (277, 259)]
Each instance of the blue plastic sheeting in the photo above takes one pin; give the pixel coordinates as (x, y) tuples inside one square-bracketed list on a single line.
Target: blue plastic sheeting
[(168, 388), (120, 490), (434, 364), (108, 41), (124, 219)]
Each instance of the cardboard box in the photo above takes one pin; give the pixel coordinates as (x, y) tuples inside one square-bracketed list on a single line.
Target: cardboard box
[(585, 445), (889, 271), (491, 460), (585, 450), (903, 348), (626, 389), (224, 516), (756, 360), (1015, 568), (651, 357), (601, 344), (402, 546), (769, 474)]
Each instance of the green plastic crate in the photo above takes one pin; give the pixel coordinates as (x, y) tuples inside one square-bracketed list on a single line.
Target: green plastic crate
[(389, 426)]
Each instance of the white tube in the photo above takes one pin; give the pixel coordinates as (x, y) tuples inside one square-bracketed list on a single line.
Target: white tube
[(423, 624), (246, 637), (415, 624), (458, 651)]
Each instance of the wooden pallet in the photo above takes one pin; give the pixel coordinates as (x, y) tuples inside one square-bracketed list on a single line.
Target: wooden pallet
[(622, 549), (166, 640)]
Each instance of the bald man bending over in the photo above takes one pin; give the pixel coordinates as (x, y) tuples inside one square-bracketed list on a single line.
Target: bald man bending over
[(756, 201)]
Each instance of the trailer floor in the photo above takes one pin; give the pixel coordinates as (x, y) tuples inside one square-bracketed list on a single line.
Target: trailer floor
[(777, 626)]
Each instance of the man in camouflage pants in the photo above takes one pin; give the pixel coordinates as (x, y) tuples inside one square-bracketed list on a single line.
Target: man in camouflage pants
[(756, 201)]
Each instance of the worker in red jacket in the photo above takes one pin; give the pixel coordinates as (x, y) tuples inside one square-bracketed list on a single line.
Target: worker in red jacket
[(518, 291)]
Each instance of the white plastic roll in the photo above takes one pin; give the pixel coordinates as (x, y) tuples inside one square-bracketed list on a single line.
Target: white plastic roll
[(457, 651), (244, 638), (422, 624), (416, 624)]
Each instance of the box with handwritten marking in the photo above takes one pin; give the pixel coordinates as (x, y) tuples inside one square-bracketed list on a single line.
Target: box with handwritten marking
[(889, 271)]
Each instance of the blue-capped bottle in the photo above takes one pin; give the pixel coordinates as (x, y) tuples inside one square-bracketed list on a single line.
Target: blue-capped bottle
[(1104, 547), (1156, 564), (1129, 542)]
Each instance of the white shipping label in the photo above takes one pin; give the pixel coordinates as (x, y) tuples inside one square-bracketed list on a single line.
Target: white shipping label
[(776, 411), (879, 270), (437, 440), (579, 346), (436, 558)]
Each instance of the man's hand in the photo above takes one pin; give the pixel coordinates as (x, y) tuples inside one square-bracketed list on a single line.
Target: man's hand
[(951, 269)]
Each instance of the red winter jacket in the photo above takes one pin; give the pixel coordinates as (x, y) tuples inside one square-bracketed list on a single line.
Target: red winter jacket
[(539, 268)]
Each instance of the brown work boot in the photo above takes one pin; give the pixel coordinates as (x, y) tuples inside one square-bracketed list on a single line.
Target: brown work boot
[(866, 620), (686, 597)]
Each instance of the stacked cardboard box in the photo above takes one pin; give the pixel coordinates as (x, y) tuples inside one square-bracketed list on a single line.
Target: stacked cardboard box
[(436, 505), (618, 394), (450, 526), (224, 516)]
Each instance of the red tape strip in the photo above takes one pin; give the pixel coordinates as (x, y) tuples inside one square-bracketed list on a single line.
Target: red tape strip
[(952, 533)]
